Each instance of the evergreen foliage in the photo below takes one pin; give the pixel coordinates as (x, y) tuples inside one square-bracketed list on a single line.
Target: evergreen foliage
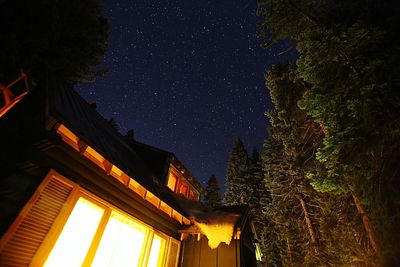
[(331, 160), (61, 40), (245, 185), (212, 196), (236, 191)]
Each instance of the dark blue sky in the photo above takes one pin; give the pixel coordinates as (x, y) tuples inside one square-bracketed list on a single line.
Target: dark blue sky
[(187, 76)]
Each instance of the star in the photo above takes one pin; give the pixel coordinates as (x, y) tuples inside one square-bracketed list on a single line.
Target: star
[(187, 76)]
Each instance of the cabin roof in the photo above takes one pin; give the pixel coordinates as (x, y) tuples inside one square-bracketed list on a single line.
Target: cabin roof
[(158, 160), (66, 106), (70, 109)]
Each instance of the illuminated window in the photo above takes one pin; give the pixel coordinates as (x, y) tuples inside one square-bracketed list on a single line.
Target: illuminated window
[(157, 251), (122, 243), (172, 181), (97, 235), (183, 189), (180, 185), (77, 235)]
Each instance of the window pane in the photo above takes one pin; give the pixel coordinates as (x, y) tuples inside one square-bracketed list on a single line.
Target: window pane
[(75, 239), (157, 252), (184, 189), (171, 181), (121, 244)]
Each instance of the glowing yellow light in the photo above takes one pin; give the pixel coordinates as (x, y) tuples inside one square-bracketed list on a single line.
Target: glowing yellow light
[(157, 251), (74, 241), (217, 233), (171, 181), (116, 170), (121, 243)]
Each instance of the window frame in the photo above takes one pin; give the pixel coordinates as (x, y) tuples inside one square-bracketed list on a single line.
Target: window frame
[(181, 181), (54, 233)]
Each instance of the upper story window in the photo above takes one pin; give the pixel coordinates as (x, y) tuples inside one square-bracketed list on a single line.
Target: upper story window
[(178, 183), (172, 180), (183, 189)]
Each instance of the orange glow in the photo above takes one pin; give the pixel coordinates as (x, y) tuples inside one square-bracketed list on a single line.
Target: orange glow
[(116, 170), (122, 243), (185, 220), (183, 189), (171, 181), (165, 208), (119, 175), (150, 197), (68, 137), (71, 139), (9, 98), (217, 233), (67, 134), (95, 157), (136, 187), (177, 216), (75, 239)]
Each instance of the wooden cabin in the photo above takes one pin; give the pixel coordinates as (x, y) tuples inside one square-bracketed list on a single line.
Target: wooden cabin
[(75, 192)]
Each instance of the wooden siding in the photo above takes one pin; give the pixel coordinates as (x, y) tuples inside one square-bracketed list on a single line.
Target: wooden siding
[(27, 233), (197, 253)]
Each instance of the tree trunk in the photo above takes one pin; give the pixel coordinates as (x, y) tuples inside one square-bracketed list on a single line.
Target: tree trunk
[(311, 230), (289, 251), (369, 230)]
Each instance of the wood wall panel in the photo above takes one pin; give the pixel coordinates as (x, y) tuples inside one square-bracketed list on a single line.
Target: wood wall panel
[(26, 234)]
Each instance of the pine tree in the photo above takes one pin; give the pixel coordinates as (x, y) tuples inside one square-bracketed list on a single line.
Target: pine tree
[(258, 196), (255, 182), (212, 196), (348, 75), (236, 190), (294, 138)]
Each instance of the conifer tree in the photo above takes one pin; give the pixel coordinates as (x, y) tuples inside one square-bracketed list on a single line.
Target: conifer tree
[(236, 190), (258, 196), (254, 180), (348, 75), (212, 196), (289, 154)]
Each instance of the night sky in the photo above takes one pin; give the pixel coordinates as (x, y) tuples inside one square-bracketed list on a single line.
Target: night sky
[(187, 77)]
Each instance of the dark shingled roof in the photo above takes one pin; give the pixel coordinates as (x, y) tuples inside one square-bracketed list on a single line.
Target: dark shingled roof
[(69, 108), (158, 161)]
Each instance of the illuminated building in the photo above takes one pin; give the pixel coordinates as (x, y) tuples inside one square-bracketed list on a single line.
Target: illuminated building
[(75, 192)]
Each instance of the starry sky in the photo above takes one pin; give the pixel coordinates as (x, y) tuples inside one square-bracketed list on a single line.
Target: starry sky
[(187, 76)]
